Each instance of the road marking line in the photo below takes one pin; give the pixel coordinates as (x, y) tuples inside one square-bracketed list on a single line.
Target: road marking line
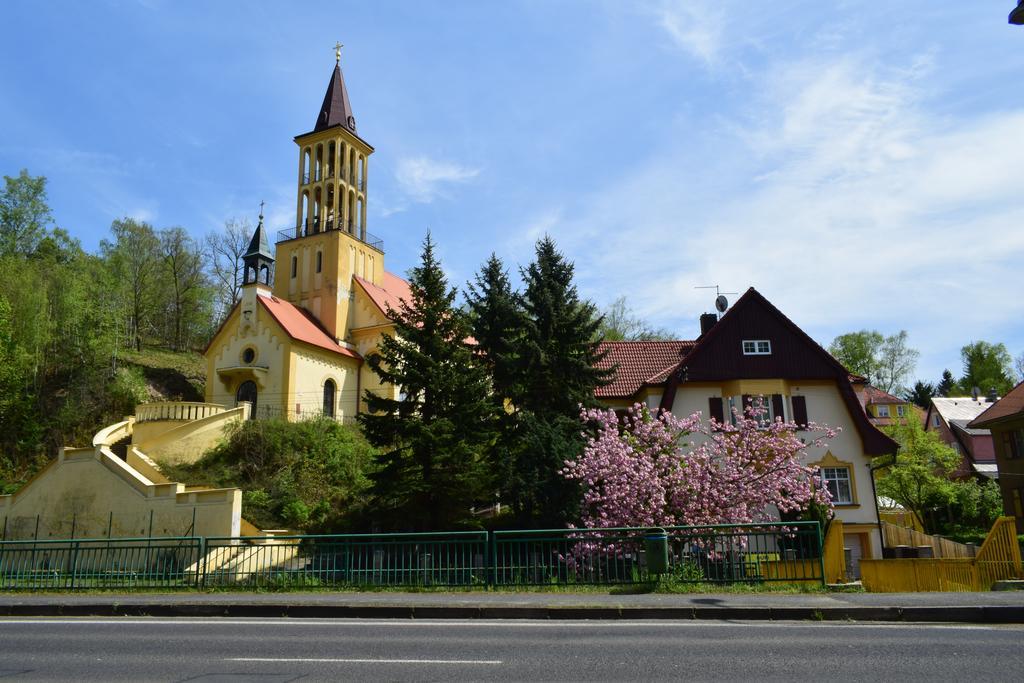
[(350, 660)]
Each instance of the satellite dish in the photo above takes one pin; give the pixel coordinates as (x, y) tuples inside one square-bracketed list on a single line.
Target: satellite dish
[(721, 303)]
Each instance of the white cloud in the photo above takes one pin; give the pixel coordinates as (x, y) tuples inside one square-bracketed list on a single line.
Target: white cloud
[(840, 196), (424, 179), (696, 26)]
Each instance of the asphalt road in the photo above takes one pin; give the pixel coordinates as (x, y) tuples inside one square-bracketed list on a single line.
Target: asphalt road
[(311, 650)]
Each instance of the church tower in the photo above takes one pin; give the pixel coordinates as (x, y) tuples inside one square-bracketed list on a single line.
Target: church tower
[(317, 261)]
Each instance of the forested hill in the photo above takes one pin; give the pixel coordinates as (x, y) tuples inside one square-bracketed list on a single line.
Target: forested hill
[(85, 336)]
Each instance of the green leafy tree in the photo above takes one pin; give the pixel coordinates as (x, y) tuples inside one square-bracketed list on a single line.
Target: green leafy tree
[(918, 479), (24, 214), (986, 366), (188, 295), (896, 362), (887, 362), (434, 437), (133, 258), (920, 394), (858, 352), (620, 323), (556, 376)]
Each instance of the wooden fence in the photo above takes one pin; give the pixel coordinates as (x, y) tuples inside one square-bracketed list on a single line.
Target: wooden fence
[(943, 548), (998, 559)]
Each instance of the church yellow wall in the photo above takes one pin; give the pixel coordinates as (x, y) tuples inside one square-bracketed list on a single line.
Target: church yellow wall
[(271, 344), (311, 370), (327, 294)]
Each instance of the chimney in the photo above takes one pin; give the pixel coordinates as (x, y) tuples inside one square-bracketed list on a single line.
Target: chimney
[(992, 396), (707, 321)]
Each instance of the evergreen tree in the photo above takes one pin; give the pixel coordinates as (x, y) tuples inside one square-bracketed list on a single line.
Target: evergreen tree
[(433, 437), (946, 384), (920, 394), (556, 374), (496, 322)]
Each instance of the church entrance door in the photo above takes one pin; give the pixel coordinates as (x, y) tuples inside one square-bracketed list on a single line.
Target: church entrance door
[(247, 392)]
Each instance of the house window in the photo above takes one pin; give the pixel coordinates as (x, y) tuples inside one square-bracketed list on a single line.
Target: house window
[(883, 411), (1013, 443), (901, 411), (319, 261), (837, 479), (935, 420), (757, 347), (295, 266)]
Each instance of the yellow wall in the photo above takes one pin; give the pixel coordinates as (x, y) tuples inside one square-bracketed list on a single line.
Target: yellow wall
[(87, 487), (328, 294), (269, 369), (311, 368), (824, 406), (187, 441)]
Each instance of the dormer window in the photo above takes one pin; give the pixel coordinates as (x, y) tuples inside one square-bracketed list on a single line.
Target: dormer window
[(757, 347)]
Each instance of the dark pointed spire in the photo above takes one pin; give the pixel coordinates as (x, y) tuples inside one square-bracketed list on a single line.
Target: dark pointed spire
[(336, 109), (258, 245)]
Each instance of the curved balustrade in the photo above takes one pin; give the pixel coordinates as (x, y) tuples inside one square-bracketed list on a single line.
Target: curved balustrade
[(177, 411)]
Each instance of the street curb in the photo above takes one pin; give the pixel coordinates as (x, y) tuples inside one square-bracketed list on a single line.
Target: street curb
[(981, 614)]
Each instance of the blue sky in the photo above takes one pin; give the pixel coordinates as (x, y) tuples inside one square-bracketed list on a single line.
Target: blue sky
[(860, 163)]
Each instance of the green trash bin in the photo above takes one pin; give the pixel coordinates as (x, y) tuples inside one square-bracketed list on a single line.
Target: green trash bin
[(656, 545)]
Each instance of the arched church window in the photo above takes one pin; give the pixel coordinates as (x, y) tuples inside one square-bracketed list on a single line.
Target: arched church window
[(295, 266), (329, 391), (264, 274), (319, 261), (247, 392)]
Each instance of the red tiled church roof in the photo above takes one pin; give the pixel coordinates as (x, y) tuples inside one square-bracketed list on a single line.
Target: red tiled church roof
[(639, 363), (301, 326), (390, 293)]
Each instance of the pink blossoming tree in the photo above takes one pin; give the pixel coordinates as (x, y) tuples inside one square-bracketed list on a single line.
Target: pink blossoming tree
[(665, 471)]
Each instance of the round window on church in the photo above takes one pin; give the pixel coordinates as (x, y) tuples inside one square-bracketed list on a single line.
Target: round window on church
[(249, 355)]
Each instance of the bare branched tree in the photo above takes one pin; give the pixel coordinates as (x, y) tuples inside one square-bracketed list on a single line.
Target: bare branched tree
[(226, 247)]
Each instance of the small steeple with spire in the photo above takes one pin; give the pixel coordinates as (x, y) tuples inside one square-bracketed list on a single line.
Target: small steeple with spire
[(336, 109), (257, 260)]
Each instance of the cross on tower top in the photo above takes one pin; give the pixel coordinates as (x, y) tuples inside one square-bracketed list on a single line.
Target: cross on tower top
[(261, 209), (337, 52)]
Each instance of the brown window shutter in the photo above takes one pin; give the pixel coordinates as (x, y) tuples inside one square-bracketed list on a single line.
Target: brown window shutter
[(800, 410), (777, 408), (716, 409)]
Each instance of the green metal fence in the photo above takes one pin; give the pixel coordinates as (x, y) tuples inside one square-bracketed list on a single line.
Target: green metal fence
[(713, 554), (126, 563), (790, 552), (423, 559)]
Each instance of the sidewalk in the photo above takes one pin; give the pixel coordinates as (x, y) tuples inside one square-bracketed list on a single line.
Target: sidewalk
[(994, 607)]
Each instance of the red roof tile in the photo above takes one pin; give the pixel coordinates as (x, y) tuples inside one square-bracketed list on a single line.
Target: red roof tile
[(877, 396), (639, 363), (390, 293), (302, 326), (1007, 406)]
